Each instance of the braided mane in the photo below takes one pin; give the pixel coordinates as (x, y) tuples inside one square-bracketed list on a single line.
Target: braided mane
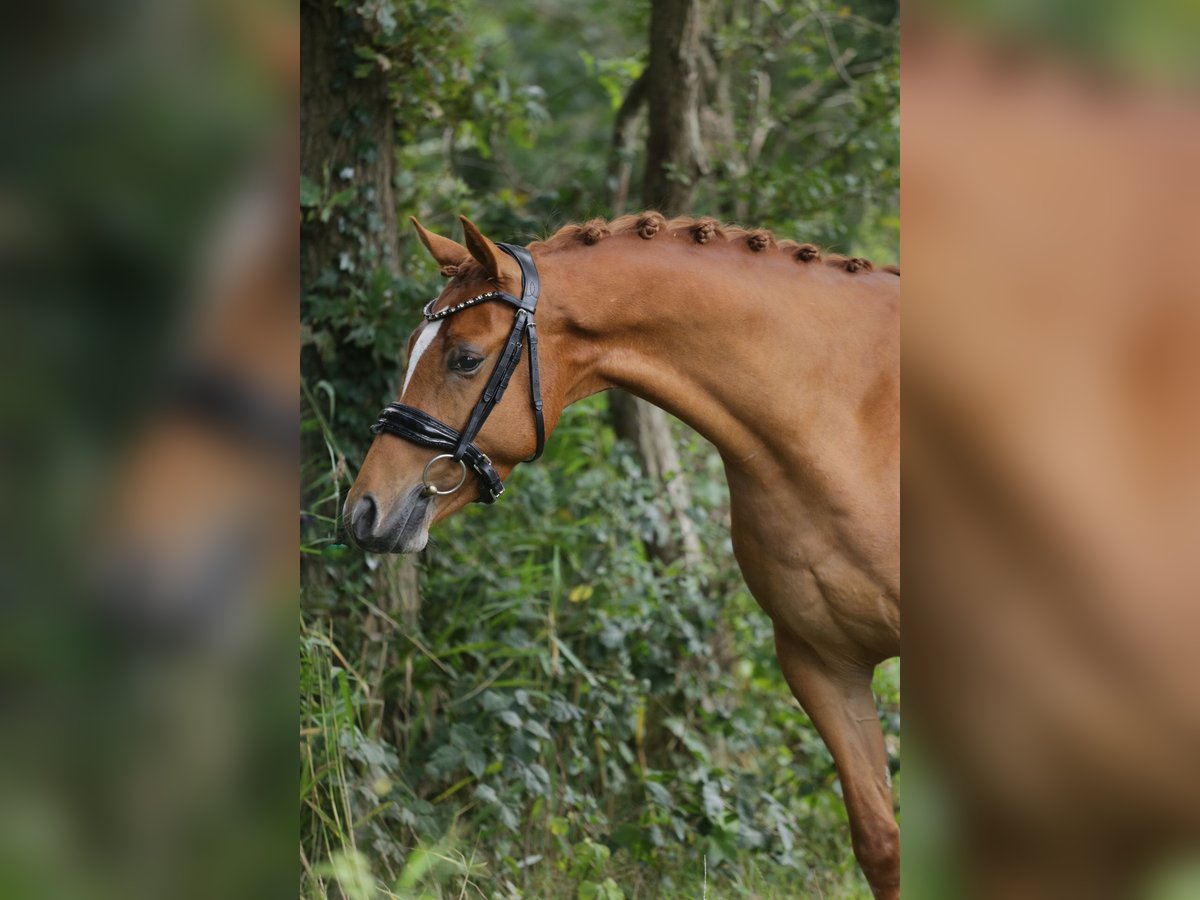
[(704, 230)]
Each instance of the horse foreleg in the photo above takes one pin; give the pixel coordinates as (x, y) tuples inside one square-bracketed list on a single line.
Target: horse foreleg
[(842, 707)]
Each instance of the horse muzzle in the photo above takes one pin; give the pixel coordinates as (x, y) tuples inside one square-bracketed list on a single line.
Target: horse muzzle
[(404, 528)]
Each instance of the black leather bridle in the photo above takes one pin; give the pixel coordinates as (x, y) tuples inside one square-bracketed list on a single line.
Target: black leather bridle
[(421, 428)]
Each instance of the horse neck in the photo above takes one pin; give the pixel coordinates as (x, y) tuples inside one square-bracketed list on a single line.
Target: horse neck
[(752, 350)]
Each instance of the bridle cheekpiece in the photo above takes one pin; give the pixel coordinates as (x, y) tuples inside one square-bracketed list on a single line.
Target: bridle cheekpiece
[(419, 427)]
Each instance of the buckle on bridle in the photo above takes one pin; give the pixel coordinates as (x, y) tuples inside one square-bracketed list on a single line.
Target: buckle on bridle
[(483, 467)]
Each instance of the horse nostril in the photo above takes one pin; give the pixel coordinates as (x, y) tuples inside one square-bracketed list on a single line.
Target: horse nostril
[(362, 517)]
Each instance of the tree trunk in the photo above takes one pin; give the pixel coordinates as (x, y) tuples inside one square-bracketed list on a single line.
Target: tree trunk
[(347, 139), (674, 160), (648, 428), (675, 154), (341, 116)]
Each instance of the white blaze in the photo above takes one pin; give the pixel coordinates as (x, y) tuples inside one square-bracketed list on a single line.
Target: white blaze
[(424, 339)]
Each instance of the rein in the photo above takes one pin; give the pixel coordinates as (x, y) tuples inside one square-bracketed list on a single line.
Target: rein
[(419, 427)]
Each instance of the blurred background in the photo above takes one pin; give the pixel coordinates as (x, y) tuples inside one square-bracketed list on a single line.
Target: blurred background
[(570, 693), (148, 257), (1051, 469)]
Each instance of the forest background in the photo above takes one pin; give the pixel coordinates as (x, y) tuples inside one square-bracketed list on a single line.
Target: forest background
[(570, 693)]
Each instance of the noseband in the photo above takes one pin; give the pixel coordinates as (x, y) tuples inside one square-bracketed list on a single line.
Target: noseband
[(421, 428)]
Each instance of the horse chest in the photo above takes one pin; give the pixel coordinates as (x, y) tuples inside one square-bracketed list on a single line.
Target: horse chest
[(814, 589)]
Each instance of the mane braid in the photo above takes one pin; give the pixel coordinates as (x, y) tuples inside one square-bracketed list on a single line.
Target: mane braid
[(651, 225)]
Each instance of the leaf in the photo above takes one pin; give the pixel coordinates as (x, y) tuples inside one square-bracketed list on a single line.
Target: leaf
[(352, 870), (464, 737), (590, 853), (493, 702), (721, 846), (561, 711), (536, 779), (629, 835), (659, 794), (559, 826), (476, 762), (714, 806), (509, 817), (310, 192), (611, 635), (510, 718), (580, 593), (444, 760), (751, 837), (605, 890), (341, 198)]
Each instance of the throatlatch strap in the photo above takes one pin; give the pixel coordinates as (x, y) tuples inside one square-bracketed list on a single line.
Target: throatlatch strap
[(535, 392), (531, 289)]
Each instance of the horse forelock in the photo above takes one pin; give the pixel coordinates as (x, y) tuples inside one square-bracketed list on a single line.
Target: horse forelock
[(703, 230)]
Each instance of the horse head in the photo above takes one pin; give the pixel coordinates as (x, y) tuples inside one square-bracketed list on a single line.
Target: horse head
[(454, 432)]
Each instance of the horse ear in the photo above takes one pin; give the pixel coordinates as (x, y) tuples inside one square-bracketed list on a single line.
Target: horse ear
[(444, 251), (485, 252)]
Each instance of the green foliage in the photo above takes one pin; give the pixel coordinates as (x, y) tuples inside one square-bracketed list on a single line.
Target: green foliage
[(565, 710), (815, 145), (565, 716)]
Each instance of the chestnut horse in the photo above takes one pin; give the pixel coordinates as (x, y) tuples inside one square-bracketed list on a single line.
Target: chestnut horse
[(787, 361)]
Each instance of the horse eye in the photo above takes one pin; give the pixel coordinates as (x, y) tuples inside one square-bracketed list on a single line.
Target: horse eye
[(465, 362)]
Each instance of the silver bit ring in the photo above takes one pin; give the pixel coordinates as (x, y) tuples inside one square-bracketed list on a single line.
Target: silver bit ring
[(428, 489)]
